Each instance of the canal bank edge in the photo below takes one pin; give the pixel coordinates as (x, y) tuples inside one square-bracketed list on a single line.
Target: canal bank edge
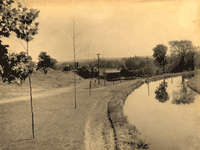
[(100, 130), (194, 82), (125, 134), (159, 77)]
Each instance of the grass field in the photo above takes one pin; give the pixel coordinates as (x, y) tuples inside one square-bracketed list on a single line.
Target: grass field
[(40, 82), (57, 124)]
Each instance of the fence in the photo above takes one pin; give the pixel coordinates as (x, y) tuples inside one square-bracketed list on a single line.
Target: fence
[(96, 83)]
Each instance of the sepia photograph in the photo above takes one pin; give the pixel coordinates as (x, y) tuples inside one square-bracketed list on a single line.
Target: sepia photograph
[(100, 75)]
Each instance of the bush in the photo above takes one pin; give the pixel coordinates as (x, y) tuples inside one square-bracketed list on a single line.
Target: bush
[(158, 71)]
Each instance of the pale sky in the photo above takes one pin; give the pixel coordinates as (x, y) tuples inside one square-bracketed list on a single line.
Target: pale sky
[(113, 29)]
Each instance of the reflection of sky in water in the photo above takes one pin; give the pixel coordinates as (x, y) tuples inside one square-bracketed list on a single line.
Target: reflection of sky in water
[(165, 125)]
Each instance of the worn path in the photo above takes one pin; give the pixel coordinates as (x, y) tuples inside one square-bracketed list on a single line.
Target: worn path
[(57, 124)]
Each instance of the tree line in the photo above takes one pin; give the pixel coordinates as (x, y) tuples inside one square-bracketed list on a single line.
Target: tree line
[(183, 56), (21, 21)]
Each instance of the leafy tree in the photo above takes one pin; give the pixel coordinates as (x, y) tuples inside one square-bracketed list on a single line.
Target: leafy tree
[(190, 60), (159, 55), (45, 61), (6, 23), (181, 48), (139, 66), (18, 67), (197, 58), (130, 63), (20, 21), (8, 17)]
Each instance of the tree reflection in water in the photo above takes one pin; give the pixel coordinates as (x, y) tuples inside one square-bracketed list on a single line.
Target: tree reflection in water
[(184, 96), (161, 93)]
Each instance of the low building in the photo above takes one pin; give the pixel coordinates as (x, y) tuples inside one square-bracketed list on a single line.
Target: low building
[(111, 74)]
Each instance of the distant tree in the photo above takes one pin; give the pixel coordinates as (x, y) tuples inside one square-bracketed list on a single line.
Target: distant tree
[(197, 58), (45, 62), (190, 60), (139, 66), (181, 48), (148, 67), (130, 63), (159, 55)]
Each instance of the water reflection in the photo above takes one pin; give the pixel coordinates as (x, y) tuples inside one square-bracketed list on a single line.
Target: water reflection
[(161, 93), (165, 126), (184, 96)]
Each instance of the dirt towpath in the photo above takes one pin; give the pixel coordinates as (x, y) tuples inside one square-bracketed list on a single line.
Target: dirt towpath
[(58, 125)]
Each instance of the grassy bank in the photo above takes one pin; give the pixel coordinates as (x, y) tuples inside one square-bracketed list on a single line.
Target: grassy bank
[(126, 135), (40, 82), (194, 82), (159, 77)]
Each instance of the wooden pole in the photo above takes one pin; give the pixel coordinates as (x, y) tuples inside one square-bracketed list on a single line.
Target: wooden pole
[(90, 89), (98, 70)]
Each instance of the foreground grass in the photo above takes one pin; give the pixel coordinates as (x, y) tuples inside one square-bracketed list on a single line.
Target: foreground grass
[(57, 124)]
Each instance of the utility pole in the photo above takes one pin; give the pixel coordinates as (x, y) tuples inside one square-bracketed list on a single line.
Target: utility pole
[(98, 69)]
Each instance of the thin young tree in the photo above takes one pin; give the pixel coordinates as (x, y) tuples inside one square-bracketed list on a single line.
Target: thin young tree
[(20, 21), (75, 35), (27, 29)]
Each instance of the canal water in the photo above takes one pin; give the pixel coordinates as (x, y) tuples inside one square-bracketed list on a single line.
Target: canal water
[(167, 114)]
